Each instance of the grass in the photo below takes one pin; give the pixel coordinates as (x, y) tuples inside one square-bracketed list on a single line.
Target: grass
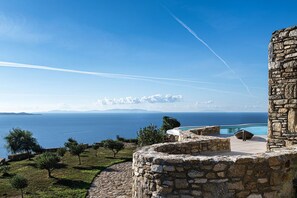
[(69, 179)]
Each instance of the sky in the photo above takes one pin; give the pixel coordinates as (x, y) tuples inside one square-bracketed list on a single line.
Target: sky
[(159, 55)]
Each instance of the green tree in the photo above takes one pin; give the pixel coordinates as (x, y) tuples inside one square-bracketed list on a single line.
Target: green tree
[(96, 146), (4, 170), (19, 182), (114, 146), (19, 140), (70, 142), (61, 151), (169, 123), (77, 149), (48, 161), (150, 135)]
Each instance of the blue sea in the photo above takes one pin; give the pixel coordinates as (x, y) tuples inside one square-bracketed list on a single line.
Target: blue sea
[(52, 130)]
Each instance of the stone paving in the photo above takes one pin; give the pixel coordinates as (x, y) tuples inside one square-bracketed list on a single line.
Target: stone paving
[(113, 182)]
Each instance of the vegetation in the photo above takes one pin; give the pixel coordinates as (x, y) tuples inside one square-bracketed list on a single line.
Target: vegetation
[(70, 142), (61, 151), (131, 140), (48, 161), (96, 146), (150, 135), (19, 141), (4, 169), (114, 146), (77, 150), (169, 123), (19, 182), (70, 180)]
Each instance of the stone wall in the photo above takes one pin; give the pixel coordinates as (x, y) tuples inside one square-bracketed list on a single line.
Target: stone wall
[(160, 174), (207, 130), (282, 113)]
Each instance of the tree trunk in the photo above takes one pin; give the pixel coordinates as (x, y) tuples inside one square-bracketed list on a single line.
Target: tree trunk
[(79, 160), (114, 154), (28, 154), (49, 173), (22, 193)]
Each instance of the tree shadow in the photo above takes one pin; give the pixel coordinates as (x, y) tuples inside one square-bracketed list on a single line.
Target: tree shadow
[(90, 167), (125, 159), (7, 175), (74, 184), (58, 166)]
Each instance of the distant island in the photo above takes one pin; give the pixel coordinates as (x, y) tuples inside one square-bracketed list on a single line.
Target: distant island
[(105, 111), (21, 113)]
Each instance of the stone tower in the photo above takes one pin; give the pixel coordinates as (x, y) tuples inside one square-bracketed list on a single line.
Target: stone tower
[(282, 91)]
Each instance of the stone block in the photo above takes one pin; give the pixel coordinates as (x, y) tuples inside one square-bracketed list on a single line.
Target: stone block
[(219, 167), (181, 183), (292, 120), (235, 185), (157, 168), (195, 173), (255, 196)]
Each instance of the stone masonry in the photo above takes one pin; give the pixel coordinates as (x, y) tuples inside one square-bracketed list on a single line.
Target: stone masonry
[(173, 170), (282, 113)]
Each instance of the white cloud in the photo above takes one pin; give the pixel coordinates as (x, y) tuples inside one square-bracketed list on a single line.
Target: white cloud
[(204, 102), (157, 98)]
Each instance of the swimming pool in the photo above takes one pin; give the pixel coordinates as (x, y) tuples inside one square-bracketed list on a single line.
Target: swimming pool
[(255, 128)]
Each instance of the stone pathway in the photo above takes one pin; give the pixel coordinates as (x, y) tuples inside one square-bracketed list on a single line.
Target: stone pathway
[(113, 182)]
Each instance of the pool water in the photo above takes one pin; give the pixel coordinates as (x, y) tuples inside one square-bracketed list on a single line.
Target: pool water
[(257, 129)]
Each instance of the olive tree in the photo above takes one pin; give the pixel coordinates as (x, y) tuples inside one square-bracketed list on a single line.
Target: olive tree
[(19, 182), (61, 151), (96, 146), (77, 149), (150, 135), (48, 161), (19, 141), (114, 146)]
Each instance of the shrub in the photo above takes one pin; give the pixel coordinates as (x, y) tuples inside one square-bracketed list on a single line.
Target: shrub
[(114, 146), (169, 123), (19, 182), (150, 135), (48, 161), (4, 170), (61, 151)]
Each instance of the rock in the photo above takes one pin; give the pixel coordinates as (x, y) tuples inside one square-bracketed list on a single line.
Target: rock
[(200, 181), (262, 180), (168, 168), (181, 183), (194, 174), (157, 168), (254, 196), (237, 171), (236, 185), (219, 167)]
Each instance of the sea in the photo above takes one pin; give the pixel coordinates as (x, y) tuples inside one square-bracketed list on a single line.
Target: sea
[(52, 130)]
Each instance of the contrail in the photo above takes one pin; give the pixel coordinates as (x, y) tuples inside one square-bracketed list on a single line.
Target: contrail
[(100, 74), (158, 80), (206, 45)]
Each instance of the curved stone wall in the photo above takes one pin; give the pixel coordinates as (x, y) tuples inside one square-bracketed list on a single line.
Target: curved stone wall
[(171, 170)]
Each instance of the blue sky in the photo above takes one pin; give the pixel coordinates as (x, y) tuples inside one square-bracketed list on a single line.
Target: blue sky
[(162, 66)]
